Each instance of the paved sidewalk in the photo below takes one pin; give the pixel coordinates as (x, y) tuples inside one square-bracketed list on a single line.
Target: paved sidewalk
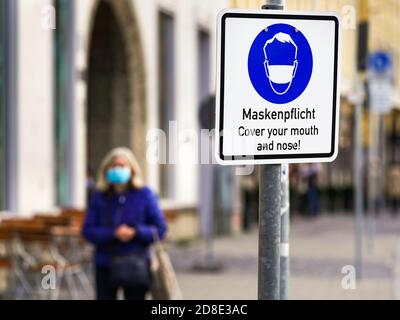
[(319, 249)]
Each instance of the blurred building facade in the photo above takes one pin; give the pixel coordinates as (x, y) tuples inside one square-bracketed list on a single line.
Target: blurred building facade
[(335, 181), (81, 77)]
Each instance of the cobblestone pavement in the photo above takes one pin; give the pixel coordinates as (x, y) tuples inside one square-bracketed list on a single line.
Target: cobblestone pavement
[(319, 249)]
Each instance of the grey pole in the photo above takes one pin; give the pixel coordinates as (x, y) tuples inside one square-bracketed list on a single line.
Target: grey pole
[(285, 228), (383, 167), (358, 181), (358, 165), (207, 206), (269, 219), (269, 232), (373, 175)]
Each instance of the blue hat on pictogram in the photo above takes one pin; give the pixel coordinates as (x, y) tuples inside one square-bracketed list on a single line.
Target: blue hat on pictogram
[(280, 62)]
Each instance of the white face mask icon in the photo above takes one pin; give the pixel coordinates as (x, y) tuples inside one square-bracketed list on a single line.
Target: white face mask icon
[(281, 75)]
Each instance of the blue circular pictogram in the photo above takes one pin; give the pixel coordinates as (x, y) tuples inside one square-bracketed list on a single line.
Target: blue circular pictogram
[(280, 63)]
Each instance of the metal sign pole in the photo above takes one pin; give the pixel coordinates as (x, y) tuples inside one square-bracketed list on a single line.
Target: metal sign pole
[(285, 227), (383, 166), (358, 182), (269, 220), (269, 232), (207, 187), (373, 175)]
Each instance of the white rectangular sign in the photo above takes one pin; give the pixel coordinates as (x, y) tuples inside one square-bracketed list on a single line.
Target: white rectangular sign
[(381, 93), (277, 98)]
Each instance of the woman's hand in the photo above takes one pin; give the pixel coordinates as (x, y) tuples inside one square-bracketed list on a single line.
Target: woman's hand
[(125, 233)]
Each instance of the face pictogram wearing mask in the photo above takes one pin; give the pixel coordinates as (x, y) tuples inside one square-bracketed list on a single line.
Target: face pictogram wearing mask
[(280, 62)]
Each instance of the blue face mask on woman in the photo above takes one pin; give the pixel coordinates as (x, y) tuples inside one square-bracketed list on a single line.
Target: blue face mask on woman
[(118, 175)]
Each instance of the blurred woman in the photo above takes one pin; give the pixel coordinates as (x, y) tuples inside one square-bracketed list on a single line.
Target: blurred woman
[(122, 221)]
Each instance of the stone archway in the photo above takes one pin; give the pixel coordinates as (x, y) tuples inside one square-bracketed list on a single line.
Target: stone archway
[(116, 106)]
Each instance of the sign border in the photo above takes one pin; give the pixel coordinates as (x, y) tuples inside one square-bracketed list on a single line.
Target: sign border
[(273, 158)]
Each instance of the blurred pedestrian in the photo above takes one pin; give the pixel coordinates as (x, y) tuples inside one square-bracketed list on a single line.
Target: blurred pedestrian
[(122, 218), (312, 192), (249, 188)]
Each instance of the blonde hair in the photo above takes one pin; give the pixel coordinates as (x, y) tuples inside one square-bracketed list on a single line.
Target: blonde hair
[(136, 180)]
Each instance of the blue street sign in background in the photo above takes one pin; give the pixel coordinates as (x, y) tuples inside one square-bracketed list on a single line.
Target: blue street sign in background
[(380, 62)]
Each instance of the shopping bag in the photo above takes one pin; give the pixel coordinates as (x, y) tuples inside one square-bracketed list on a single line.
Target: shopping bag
[(164, 283)]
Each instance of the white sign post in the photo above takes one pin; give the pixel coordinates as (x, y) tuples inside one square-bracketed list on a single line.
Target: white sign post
[(277, 97)]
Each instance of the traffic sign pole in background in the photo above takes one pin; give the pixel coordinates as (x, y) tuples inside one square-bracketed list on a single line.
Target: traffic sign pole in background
[(269, 221), (358, 181), (362, 53), (380, 93)]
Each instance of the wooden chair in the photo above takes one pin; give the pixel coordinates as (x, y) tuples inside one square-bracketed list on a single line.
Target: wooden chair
[(36, 246), (77, 216), (65, 232), (18, 256)]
